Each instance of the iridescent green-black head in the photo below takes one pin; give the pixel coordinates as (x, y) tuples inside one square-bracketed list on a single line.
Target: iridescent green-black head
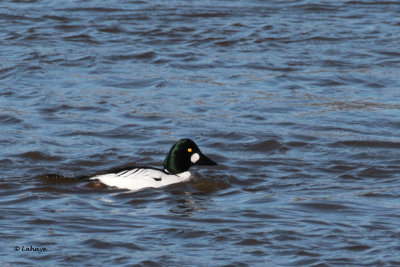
[(183, 155)]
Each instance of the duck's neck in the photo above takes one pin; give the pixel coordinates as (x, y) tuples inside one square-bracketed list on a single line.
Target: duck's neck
[(173, 165)]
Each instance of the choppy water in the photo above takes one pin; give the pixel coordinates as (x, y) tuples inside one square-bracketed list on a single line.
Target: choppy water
[(298, 102)]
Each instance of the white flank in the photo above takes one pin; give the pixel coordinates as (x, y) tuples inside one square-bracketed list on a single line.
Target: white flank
[(137, 179)]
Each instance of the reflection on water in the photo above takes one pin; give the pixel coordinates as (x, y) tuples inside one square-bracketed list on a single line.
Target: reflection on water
[(297, 101)]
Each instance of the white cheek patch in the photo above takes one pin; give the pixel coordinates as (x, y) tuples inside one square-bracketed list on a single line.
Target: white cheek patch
[(195, 158)]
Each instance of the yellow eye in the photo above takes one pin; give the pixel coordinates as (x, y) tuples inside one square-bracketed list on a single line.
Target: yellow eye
[(190, 150)]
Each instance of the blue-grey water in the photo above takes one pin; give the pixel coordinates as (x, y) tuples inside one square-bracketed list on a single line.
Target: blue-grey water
[(298, 102)]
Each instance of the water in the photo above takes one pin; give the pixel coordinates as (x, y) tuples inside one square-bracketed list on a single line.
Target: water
[(296, 100)]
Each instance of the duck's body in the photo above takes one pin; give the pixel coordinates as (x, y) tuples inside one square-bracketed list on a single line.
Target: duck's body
[(180, 158), (139, 178)]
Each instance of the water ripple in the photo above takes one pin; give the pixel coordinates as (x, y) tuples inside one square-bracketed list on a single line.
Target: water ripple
[(297, 101)]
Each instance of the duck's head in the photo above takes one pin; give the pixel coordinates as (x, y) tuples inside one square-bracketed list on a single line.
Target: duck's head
[(183, 155)]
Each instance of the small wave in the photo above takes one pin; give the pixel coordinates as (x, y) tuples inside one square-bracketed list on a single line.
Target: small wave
[(85, 38), (8, 119), (91, 9), (55, 178), (357, 248), (102, 244), (113, 30), (145, 55), (266, 145), (324, 206), (38, 156), (378, 172), (252, 242), (370, 144)]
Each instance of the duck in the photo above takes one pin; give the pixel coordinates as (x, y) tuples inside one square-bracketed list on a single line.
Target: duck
[(182, 155)]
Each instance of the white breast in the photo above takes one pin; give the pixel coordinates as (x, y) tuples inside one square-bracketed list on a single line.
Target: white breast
[(139, 178)]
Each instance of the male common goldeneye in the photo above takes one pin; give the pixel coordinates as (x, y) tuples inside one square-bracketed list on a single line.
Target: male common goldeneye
[(183, 155)]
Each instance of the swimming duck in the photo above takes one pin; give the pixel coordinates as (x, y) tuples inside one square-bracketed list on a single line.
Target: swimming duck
[(183, 155)]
